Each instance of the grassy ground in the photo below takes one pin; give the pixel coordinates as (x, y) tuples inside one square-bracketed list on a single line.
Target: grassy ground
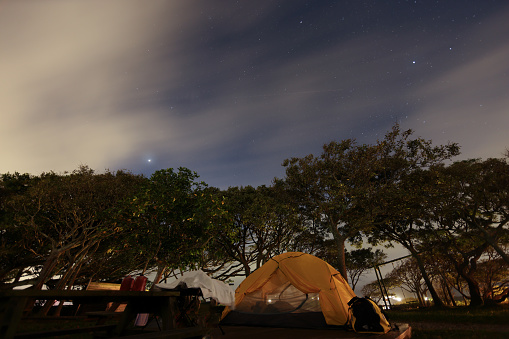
[(461, 322), (427, 323)]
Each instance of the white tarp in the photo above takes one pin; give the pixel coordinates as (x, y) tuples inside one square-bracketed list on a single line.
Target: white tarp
[(210, 288)]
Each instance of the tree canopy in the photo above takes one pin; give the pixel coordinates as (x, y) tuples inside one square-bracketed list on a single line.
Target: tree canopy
[(63, 230)]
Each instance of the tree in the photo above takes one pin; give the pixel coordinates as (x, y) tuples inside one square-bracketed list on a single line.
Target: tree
[(402, 219), (13, 262), (262, 224), (373, 289), (170, 222), (406, 191), (477, 193), (493, 276), (358, 261), (409, 278), (463, 251), (325, 190), (65, 216), (358, 189), (470, 211)]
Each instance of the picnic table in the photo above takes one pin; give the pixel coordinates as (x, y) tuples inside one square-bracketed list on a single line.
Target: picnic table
[(161, 303)]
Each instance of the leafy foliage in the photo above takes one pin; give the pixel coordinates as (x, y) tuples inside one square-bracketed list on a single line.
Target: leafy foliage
[(74, 227)]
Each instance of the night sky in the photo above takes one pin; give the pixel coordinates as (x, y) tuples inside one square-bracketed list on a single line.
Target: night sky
[(230, 89)]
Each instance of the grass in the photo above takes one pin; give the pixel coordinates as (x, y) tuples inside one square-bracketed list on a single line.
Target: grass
[(485, 316), (456, 334), (482, 315), (483, 320)]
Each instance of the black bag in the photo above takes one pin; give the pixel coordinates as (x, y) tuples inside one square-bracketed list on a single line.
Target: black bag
[(366, 317)]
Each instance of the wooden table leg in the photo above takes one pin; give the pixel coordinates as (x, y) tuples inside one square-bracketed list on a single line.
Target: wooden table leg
[(168, 313), (12, 314), (127, 316)]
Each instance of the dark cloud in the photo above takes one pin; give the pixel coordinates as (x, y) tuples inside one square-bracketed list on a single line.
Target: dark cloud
[(231, 89)]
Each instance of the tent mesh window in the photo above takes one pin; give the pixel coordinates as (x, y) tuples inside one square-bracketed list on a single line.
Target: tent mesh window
[(284, 298)]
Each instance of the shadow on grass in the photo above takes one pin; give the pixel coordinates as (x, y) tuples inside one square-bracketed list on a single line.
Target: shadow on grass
[(457, 334)]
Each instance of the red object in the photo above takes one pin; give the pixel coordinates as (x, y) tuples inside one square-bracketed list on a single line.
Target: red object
[(127, 283), (139, 283)]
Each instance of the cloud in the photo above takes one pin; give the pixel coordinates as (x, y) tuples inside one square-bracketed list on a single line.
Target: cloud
[(77, 75), (231, 91)]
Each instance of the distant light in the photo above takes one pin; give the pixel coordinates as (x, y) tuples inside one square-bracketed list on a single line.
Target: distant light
[(395, 297), (149, 160), (413, 62)]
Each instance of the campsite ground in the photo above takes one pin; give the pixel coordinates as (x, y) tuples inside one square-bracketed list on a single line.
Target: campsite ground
[(246, 332), (457, 323), (461, 322), (427, 323)]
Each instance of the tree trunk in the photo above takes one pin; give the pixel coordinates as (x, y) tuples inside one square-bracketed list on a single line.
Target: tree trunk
[(47, 269), (340, 245), (473, 286), (475, 293), (245, 264), (436, 299), (160, 271), (60, 286), (420, 298), (70, 284), (470, 262), (448, 290), (445, 294), (75, 264)]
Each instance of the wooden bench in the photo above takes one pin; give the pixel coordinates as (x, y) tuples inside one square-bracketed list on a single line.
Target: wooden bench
[(101, 311), (102, 286), (159, 303)]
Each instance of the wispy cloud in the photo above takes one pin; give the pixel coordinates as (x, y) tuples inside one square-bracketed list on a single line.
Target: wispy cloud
[(232, 91)]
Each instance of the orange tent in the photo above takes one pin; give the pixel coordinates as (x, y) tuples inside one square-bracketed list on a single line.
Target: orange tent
[(290, 289)]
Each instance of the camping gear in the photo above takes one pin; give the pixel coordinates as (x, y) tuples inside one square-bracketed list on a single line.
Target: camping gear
[(192, 285), (367, 317), (139, 284), (293, 289), (210, 288), (127, 283)]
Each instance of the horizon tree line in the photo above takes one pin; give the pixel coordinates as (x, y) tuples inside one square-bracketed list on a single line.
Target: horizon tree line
[(64, 230)]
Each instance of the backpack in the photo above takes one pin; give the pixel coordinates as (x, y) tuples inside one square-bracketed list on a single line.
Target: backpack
[(366, 317)]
